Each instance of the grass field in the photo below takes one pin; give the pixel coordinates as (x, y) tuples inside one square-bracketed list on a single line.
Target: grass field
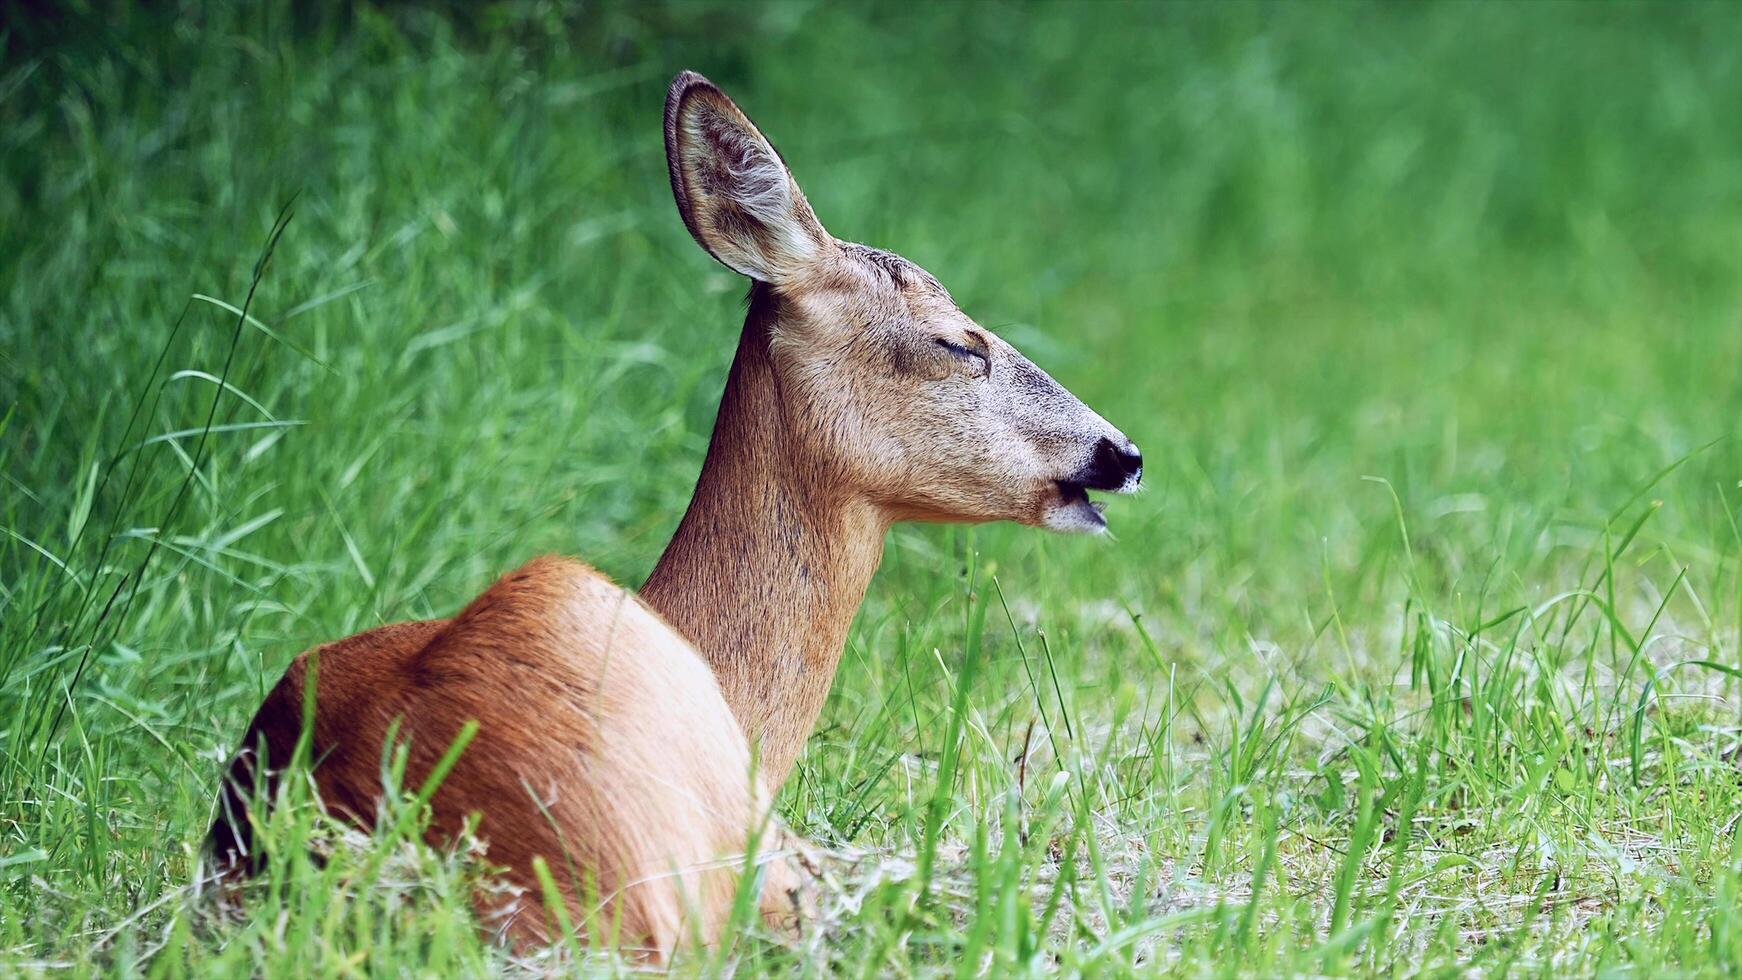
[(1419, 655)]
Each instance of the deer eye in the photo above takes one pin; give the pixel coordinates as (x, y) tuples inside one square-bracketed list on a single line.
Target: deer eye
[(984, 364)]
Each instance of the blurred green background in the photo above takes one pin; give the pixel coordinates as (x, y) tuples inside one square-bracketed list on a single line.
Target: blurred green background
[(1489, 254)]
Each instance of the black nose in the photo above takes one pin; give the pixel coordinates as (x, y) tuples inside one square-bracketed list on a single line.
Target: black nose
[(1114, 466)]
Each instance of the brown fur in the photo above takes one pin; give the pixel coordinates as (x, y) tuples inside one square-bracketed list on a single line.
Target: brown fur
[(769, 564), (575, 685), (621, 744)]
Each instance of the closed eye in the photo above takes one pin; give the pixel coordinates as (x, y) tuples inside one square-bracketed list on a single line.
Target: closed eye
[(984, 362)]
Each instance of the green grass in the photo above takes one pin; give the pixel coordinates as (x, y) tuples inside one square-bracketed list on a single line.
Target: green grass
[(1418, 656)]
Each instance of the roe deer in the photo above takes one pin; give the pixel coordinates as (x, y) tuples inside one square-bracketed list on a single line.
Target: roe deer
[(615, 732)]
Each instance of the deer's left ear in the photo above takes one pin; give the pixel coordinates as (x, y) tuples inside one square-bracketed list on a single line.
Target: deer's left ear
[(733, 190)]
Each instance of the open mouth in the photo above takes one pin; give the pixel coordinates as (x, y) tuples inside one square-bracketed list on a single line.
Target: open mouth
[(1075, 511), (1114, 468)]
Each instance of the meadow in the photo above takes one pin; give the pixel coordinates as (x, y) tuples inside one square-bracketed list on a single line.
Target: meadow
[(1418, 656)]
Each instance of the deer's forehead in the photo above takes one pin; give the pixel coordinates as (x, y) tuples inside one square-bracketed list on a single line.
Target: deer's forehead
[(903, 274), (870, 286)]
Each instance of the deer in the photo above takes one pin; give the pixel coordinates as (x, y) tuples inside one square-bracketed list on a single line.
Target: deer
[(639, 739)]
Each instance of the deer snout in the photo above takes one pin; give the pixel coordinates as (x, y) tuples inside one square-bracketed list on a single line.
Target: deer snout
[(1115, 465)]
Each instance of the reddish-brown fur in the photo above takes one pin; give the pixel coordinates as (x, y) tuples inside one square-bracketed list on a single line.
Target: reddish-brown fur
[(615, 732), (579, 691)]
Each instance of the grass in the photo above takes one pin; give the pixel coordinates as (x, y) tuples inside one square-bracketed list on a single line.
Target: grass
[(1420, 656)]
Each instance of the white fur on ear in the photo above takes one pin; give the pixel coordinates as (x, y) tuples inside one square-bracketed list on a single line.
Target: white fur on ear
[(733, 190)]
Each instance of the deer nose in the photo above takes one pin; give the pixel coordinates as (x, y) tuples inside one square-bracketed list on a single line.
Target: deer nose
[(1115, 465)]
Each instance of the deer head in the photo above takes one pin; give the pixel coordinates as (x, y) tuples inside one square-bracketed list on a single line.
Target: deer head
[(890, 392)]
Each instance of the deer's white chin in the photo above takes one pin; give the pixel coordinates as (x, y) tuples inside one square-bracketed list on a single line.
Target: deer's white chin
[(1073, 512)]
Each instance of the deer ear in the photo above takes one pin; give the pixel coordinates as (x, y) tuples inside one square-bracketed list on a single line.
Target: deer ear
[(733, 190)]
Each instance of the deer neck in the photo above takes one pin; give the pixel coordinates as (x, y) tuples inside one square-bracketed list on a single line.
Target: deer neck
[(768, 566)]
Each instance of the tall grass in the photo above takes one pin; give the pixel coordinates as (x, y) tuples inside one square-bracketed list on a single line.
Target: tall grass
[(1419, 656)]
